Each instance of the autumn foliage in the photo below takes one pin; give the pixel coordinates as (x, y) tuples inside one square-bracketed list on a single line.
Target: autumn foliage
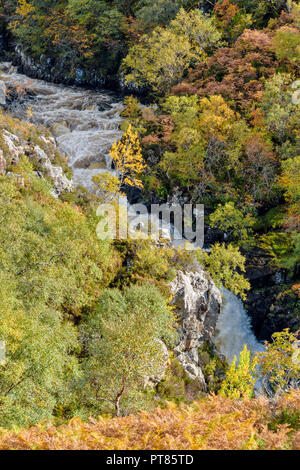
[(214, 423), (234, 72)]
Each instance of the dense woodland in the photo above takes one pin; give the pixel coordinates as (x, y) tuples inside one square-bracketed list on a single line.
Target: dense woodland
[(83, 318)]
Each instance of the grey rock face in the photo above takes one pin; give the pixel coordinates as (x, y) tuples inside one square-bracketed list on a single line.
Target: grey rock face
[(17, 147), (60, 182), (2, 93), (13, 144), (198, 304)]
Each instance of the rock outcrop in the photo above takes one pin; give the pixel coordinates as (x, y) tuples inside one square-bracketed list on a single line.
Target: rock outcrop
[(60, 182), (198, 305), (41, 151)]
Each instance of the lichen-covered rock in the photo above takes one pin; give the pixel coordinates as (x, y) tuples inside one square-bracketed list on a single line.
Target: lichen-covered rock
[(198, 305)]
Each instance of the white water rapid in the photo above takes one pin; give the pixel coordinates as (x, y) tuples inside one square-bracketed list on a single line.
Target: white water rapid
[(85, 124)]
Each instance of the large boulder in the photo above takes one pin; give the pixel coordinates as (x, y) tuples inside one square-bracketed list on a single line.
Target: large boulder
[(198, 305)]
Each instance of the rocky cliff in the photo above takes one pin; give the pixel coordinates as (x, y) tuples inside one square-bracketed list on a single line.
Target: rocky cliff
[(198, 305)]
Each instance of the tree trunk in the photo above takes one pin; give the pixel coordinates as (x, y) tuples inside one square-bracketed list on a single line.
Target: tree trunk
[(118, 398)]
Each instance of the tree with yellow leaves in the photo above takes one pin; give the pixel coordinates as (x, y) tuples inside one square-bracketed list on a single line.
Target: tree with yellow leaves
[(107, 185), (240, 378), (127, 157)]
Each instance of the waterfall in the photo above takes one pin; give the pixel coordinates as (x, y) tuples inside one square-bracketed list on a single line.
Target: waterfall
[(234, 328)]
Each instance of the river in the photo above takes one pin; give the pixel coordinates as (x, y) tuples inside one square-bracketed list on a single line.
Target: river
[(85, 124)]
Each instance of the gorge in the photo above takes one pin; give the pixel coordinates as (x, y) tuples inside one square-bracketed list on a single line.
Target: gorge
[(85, 124)]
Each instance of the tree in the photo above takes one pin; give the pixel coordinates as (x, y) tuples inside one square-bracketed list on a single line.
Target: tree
[(123, 345), (240, 378), (231, 20), (279, 364), (289, 180), (223, 264), (234, 72), (40, 360), (259, 167), (262, 10), (282, 115), (107, 185), (101, 19), (68, 36), (158, 60), (287, 44), (236, 222), (145, 262), (157, 13), (127, 157), (161, 58), (81, 32), (202, 131), (53, 268), (50, 27), (200, 30)]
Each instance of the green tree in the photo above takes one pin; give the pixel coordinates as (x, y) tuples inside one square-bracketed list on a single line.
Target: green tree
[(40, 360), (98, 17), (262, 10), (123, 345), (53, 267), (238, 223), (282, 115), (160, 59), (203, 143), (287, 44), (289, 179), (107, 185), (279, 364), (200, 30), (156, 13), (224, 264)]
